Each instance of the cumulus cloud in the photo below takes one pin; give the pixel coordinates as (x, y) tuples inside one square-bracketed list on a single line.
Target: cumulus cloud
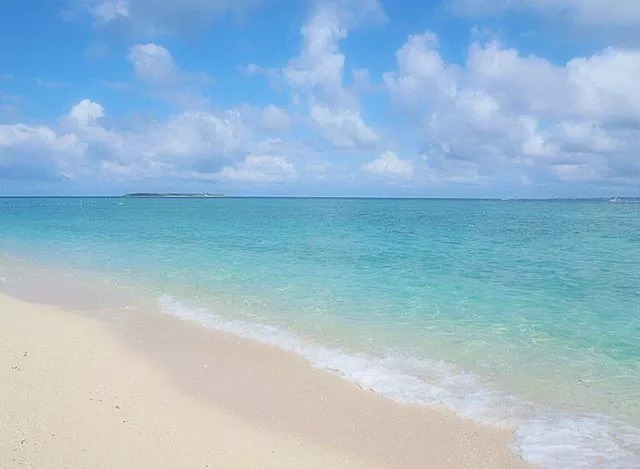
[(274, 118), (389, 165), (28, 151), (343, 128), (587, 136), (189, 144), (155, 67), (504, 112), (317, 72), (153, 63), (319, 66), (86, 112), (21, 134), (260, 168), (194, 135), (606, 84), (106, 11), (84, 122)]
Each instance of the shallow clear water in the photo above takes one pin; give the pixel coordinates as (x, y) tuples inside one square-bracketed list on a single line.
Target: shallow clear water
[(522, 313)]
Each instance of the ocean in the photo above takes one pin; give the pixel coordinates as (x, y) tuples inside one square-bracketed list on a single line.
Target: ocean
[(524, 314)]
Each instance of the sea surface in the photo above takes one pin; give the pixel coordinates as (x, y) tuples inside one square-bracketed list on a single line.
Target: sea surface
[(517, 313)]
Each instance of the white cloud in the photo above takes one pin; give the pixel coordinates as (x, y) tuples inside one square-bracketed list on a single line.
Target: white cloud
[(319, 67), (16, 135), (194, 135), (106, 11), (155, 67), (317, 72), (539, 87), (28, 151), (260, 168), (389, 165), (343, 128), (607, 84), (271, 119), (153, 63), (84, 123), (274, 118), (422, 73), (587, 136), (86, 112), (504, 112), (190, 144), (601, 85)]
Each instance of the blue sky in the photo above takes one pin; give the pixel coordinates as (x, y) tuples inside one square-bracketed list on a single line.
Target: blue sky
[(463, 98)]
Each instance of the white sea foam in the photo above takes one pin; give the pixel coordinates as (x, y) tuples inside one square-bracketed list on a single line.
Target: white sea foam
[(549, 437)]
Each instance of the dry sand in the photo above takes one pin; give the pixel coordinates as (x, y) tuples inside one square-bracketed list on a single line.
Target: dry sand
[(148, 390)]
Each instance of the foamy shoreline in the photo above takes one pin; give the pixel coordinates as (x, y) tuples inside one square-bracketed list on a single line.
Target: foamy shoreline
[(232, 402)]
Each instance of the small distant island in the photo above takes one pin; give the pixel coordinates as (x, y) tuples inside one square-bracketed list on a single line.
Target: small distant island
[(172, 195)]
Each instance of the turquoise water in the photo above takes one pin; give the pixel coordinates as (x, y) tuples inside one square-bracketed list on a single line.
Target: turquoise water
[(522, 313)]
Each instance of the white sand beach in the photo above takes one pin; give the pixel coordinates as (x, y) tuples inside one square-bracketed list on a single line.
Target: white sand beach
[(77, 392)]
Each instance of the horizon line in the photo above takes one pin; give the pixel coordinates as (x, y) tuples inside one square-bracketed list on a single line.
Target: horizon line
[(198, 196)]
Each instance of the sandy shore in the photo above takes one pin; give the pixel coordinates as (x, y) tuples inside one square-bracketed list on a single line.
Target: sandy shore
[(146, 390)]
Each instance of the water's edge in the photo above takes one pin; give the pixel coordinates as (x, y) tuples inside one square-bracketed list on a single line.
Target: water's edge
[(543, 435)]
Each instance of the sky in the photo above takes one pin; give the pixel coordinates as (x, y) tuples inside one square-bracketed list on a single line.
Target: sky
[(458, 98)]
